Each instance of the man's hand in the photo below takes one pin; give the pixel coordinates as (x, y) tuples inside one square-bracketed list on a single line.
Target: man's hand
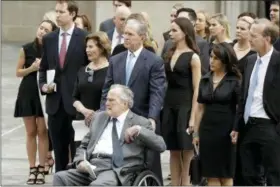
[(81, 167), (234, 137), (130, 133), (153, 123)]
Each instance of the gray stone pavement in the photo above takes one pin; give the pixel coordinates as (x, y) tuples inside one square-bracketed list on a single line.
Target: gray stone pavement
[(14, 158)]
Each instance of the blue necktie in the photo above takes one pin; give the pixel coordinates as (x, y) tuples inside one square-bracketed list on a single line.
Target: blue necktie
[(117, 156), (252, 88), (129, 67)]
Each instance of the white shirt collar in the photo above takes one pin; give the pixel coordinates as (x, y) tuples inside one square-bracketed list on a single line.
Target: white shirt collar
[(69, 31), (122, 117), (136, 53), (266, 57)]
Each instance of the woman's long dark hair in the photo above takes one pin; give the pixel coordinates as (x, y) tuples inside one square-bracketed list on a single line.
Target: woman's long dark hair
[(226, 54), (188, 29), (37, 46)]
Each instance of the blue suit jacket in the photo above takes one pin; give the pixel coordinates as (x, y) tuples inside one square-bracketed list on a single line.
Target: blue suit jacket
[(147, 81)]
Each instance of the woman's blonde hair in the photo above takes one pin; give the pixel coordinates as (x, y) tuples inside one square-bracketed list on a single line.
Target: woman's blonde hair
[(223, 20), (150, 39), (50, 15), (102, 42)]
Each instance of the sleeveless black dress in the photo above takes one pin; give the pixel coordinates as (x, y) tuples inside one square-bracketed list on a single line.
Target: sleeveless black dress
[(178, 104), (28, 101)]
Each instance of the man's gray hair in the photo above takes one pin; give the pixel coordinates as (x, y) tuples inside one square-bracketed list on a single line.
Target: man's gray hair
[(139, 26), (126, 94)]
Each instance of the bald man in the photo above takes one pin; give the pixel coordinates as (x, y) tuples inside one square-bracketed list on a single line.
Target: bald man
[(116, 34)]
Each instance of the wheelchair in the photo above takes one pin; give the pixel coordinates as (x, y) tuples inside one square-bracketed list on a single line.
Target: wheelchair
[(139, 176)]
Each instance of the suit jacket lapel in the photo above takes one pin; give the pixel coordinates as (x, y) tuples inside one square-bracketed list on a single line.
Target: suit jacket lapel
[(270, 73), (121, 71), (139, 62), (98, 130), (72, 45), (127, 124), (55, 48)]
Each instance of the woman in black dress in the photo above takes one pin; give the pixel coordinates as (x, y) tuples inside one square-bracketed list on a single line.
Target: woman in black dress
[(218, 98), (28, 104), (90, 79), (183, 71)]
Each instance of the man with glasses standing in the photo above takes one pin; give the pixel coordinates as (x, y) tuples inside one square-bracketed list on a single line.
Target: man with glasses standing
[(109, 24)]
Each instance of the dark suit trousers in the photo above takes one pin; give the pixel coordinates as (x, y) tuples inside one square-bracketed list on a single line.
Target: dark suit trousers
[(260, 153), (153, 160), (61, 132)]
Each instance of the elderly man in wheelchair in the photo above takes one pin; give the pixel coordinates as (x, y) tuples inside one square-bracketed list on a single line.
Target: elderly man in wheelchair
[(113, 152)]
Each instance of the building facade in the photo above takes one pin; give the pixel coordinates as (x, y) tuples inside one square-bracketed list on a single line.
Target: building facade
[(21, 18)]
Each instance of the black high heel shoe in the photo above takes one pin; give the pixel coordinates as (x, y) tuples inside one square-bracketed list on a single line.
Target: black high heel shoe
[(32, 176), (40, 179), (49, 165)]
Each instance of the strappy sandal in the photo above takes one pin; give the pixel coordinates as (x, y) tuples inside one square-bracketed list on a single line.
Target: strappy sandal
[(49, 165), (32, 176), (40, 175)]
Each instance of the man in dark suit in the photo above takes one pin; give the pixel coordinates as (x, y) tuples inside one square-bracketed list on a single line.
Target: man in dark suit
[(109, 24), (143, 72), (259, 108), (116, 34), (274, 12), (118, 138), (202, 44), (64, 52)]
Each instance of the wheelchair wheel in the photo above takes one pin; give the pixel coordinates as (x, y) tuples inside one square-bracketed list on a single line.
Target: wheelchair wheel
[(147, 178)]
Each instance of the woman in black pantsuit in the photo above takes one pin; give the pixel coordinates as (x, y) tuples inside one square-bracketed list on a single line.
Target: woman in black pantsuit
[(218, 98)]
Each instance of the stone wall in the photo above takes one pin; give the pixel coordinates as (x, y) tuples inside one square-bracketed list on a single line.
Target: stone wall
[(20, 19)]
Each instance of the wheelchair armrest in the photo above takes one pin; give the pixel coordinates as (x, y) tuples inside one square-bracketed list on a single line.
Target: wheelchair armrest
[(133, 169)]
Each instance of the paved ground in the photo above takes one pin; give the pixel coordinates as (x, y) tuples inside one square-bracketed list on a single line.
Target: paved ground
[(14, 158)]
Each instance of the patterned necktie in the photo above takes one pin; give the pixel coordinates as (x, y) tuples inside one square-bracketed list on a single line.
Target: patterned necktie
[(63, 50), (252, 88), (117, 156), (129, 67)]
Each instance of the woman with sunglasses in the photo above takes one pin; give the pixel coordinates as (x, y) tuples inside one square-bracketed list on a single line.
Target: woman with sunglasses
[(90, 79)]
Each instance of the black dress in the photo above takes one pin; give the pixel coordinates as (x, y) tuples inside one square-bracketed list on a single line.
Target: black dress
[(178, 104), (87, 92), (28, 100), (217, 153)]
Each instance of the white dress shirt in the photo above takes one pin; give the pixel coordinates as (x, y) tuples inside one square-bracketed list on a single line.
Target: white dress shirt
[(257, 109), (68, 37), (104, 144), (115, 40)]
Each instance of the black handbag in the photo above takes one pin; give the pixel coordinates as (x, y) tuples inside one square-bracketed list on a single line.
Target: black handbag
[(195, 168)]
